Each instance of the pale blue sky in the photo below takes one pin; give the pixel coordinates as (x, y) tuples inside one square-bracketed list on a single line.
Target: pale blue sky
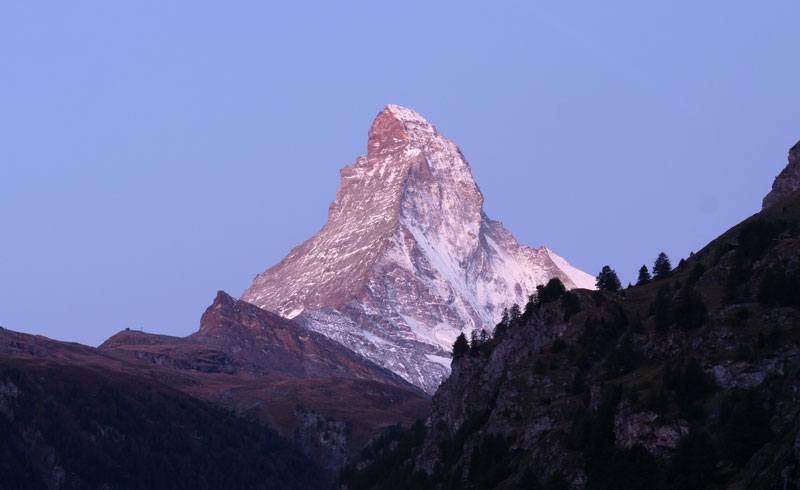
[(153, 152)]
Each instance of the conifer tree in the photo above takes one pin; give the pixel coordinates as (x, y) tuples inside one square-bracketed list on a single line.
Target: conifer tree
[(554, 290), (460, 346), (500, 328), (662, 266), (530, 305), (514, 313), (644, 276), (504, 320), (474, 342), (607, 280)]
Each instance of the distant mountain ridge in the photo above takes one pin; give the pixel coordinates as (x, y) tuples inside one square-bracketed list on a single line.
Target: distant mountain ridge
[(235, 336), (407, 259)]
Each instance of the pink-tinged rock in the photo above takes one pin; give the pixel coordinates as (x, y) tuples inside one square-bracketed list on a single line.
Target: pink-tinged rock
[(407, 259)]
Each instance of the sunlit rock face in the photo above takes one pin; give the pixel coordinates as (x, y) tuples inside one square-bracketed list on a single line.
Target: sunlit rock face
[(407, 259)]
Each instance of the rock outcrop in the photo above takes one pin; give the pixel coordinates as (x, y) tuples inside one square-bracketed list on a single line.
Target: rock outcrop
[(787, 182)]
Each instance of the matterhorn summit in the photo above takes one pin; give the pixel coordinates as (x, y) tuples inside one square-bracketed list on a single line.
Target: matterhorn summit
[(407, 259)]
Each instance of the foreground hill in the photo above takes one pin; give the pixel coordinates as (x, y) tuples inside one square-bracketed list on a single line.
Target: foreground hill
[(65, 426), (690, 381)]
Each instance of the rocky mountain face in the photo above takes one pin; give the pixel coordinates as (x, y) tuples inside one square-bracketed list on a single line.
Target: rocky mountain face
[(236, 336), (788, 181), (323, 398), (407, 259), (687, 381)]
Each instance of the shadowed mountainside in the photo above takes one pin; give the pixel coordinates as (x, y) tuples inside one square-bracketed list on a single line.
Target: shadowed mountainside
[(83, 426), (687, 381)]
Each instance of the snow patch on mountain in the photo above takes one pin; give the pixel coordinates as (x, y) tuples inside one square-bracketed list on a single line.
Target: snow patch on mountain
[(407, 259)]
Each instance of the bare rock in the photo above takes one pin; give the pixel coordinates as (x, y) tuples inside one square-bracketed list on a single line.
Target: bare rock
[(649, 430), (788, 181)]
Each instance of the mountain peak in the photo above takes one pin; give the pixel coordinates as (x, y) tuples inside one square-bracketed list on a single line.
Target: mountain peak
[(396, 127), (788, 181), (226, 315), (223, 298), (405, 115), (407, 259)]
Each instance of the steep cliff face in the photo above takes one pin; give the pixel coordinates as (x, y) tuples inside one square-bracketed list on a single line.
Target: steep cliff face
[(407, 258), (787, 182), (691, 381)]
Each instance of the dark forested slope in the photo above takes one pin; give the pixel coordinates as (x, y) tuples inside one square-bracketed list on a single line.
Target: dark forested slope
[(691, 380), (70, 426)]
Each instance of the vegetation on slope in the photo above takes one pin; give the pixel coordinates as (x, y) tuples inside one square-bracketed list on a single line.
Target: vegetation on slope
[(67, 426), (688, 380)]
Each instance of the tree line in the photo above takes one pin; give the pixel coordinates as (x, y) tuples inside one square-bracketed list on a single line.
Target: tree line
[(606, 280)]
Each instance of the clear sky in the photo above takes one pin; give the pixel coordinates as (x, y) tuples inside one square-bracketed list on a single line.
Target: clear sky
[(153, 152)]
